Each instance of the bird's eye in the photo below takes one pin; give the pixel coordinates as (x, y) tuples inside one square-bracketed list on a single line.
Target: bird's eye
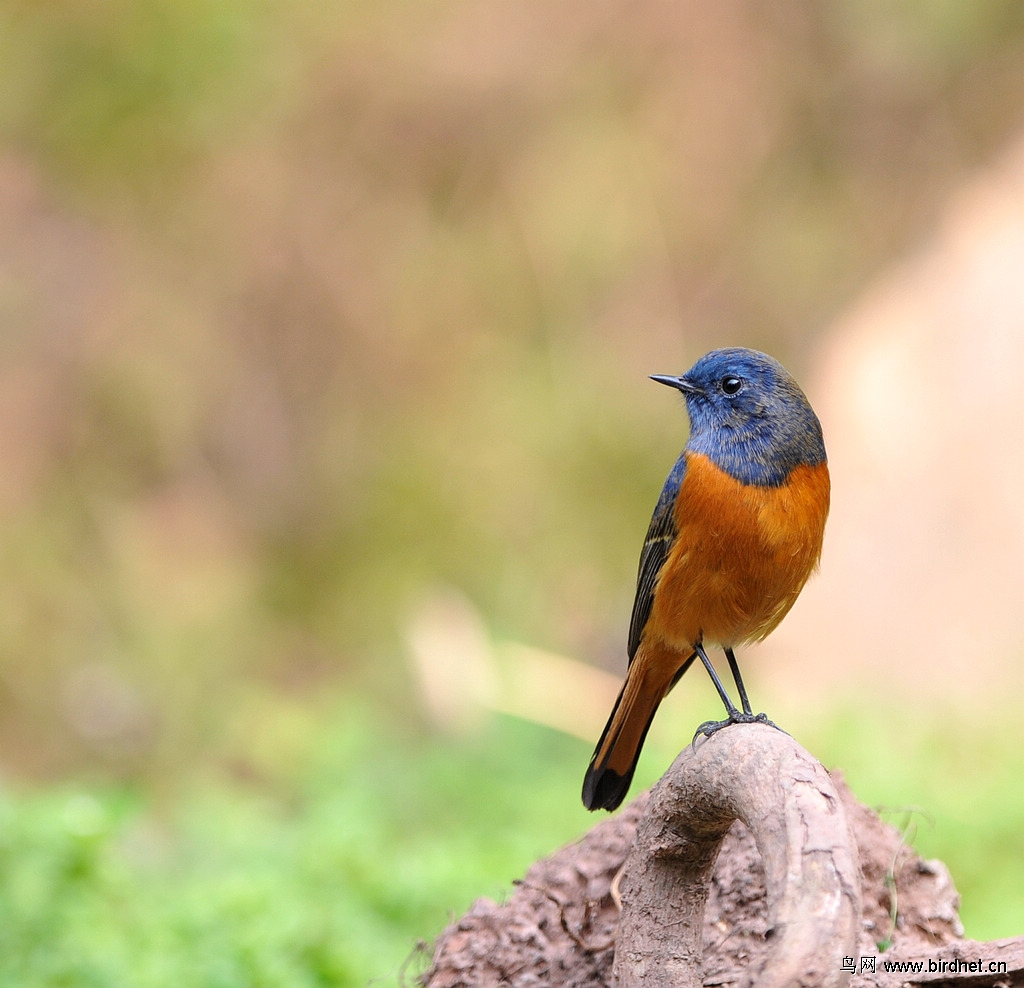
[(730, 384)]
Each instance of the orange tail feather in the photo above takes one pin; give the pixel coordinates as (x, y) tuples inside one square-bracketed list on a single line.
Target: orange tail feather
[(614, 760)]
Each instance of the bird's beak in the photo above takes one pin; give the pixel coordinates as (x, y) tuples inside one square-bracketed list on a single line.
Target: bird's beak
[(687, 387)]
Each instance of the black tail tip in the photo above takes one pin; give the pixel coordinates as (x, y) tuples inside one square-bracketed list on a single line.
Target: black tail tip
[(604, 789)]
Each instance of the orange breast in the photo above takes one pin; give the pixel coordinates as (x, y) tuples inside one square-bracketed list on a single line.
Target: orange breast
[(741, 557)]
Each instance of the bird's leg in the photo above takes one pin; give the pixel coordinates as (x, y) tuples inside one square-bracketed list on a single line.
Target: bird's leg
[(733, 716), (730, 707), (739, 680)]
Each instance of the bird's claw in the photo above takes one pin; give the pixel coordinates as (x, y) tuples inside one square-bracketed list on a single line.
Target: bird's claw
[(710, 727)]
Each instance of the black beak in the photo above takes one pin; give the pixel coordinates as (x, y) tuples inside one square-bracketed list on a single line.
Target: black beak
[(678, 382)]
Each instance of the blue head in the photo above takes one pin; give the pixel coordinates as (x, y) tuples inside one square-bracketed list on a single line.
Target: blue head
[(749, 416)]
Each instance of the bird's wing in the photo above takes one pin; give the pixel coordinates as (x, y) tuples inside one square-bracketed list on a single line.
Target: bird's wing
[(660, 536)]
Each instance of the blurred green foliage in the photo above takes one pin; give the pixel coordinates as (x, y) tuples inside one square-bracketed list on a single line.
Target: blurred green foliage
[(307, 310), (109, 93), (326, 874)]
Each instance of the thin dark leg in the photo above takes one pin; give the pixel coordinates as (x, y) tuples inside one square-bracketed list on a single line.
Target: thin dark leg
[(739, 681), (730, 707), (733, 716)]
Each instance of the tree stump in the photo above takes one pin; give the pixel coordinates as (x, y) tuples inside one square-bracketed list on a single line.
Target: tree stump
[(746, 864)]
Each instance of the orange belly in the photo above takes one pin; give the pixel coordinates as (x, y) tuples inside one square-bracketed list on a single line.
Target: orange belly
[(741, 556)]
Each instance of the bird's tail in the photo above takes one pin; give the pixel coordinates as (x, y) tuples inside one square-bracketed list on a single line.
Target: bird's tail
[(614, 760)]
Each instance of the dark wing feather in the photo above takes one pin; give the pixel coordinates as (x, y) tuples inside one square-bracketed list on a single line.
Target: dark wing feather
[(660, 536)]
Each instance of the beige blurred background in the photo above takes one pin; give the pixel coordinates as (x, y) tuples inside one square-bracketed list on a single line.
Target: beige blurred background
[(921, 592), (317, 319)]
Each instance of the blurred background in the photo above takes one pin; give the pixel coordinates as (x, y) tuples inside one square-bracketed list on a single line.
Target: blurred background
[(328, 447)]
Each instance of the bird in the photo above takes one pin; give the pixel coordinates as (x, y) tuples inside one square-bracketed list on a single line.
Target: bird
[(736, 533)]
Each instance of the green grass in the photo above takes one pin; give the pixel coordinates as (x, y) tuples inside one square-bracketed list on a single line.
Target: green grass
[(327, 876), (323, 852)]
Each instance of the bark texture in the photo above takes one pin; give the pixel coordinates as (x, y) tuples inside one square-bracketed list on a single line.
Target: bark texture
[(562, 924)]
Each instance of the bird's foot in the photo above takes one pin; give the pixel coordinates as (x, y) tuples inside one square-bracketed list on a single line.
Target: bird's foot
[(710, 727)]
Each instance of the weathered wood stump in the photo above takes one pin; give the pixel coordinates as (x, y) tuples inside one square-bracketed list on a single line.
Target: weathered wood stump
[(746, 864)]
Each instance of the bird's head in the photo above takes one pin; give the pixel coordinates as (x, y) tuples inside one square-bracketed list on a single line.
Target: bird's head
[(748, 415)]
